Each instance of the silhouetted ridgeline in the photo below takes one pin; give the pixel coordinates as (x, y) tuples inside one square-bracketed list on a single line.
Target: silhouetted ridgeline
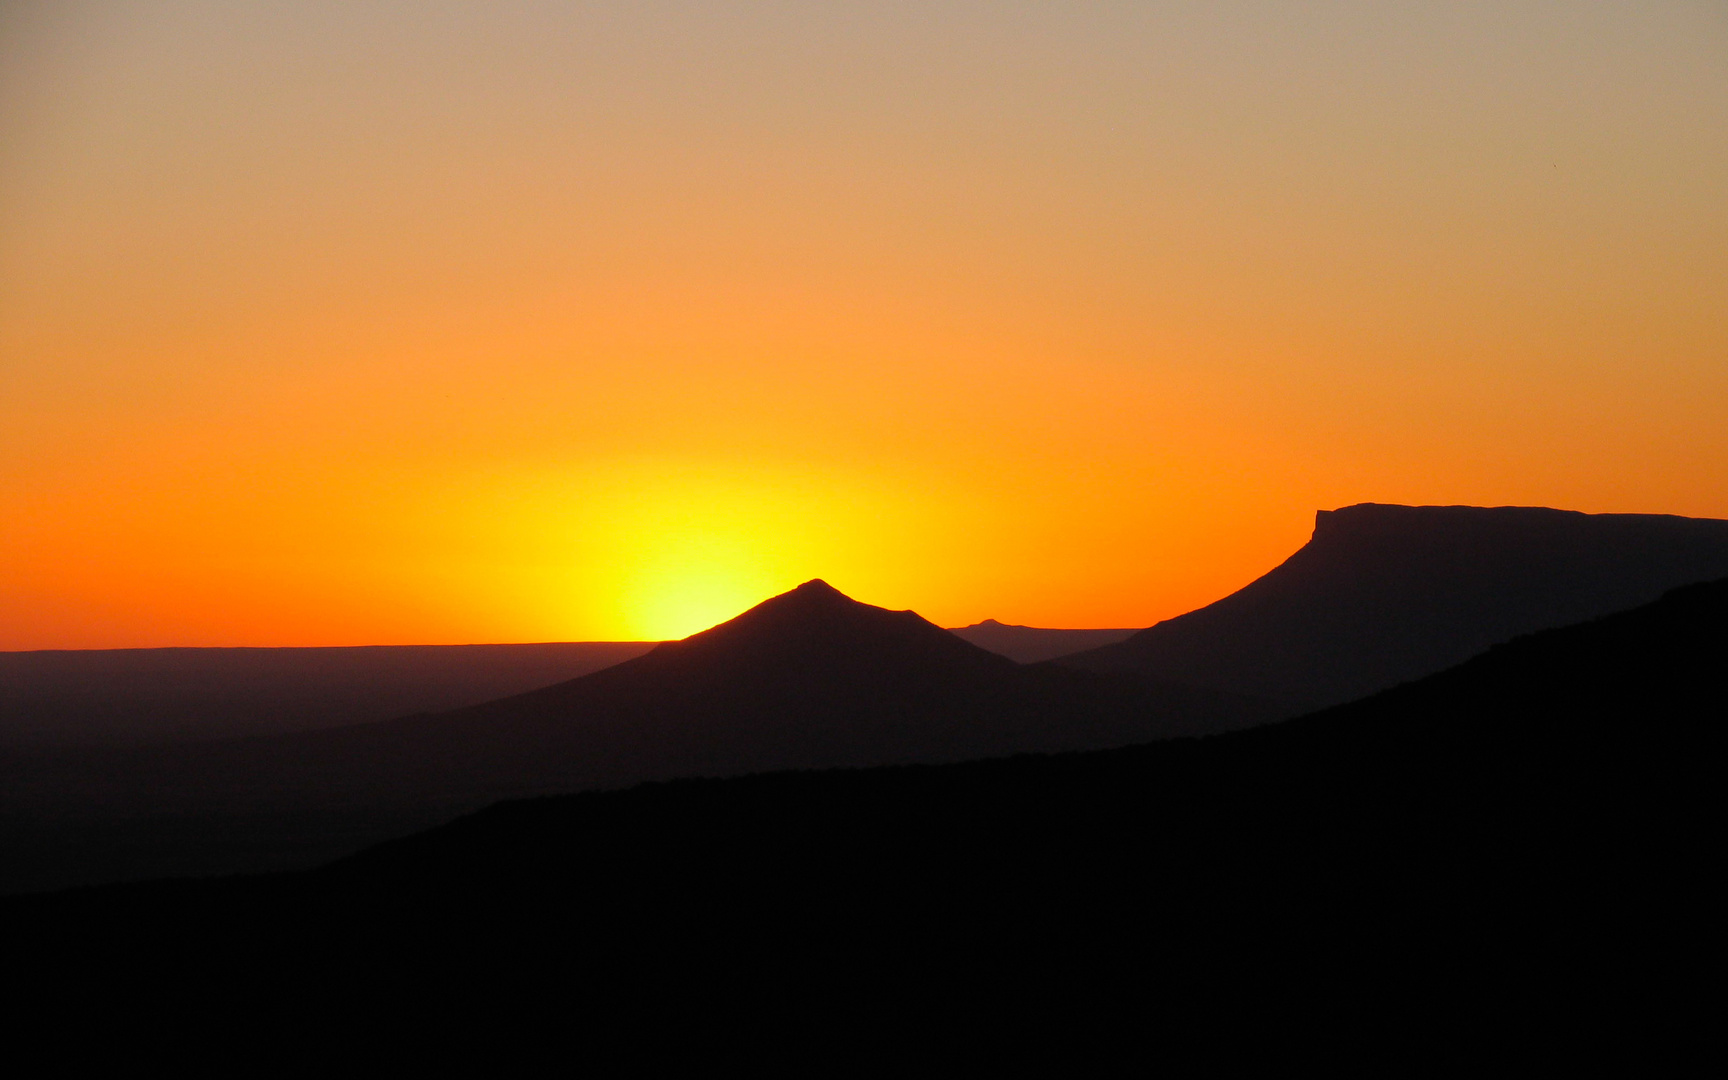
[(1537, 827), (1385, 594), (809, 679), (1031, 644), (101, 697), (123, 697)]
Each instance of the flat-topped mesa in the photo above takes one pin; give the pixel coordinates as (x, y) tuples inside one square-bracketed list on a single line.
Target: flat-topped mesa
[(1383, 594), (1391, 521)]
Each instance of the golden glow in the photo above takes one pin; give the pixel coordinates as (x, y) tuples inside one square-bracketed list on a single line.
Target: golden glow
[(685, 563), (688, 599), (337, 324)]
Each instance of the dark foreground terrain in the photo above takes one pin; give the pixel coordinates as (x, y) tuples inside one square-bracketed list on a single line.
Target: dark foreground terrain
[(1525, 842)]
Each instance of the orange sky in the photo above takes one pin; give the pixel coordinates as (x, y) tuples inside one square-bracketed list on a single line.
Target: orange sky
[(325, 323)]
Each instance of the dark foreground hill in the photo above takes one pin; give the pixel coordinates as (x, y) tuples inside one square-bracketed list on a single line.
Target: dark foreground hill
[(809, 679), (1535, 829), (1385, 594), (1031, 644), (99, 697)]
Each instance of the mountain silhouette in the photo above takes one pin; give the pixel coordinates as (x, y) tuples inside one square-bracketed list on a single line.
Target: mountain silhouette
[(1530, 830), (96, 697), (808, 679), (1031, 644), (1385, 594)]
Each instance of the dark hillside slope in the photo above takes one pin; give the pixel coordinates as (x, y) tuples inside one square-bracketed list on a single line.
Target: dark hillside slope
[(1537, 822), (1032, 644), (1385, 594), (808, 679), (108, 697)]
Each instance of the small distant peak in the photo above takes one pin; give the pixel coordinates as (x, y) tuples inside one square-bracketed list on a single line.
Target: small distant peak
[(987, 622)]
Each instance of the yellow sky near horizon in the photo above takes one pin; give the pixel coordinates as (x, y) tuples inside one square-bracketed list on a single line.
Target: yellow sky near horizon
[(407, 322)]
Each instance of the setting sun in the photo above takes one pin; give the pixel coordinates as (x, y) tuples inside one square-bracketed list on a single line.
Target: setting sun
[(688, 548), (689, 599), (689, 583)]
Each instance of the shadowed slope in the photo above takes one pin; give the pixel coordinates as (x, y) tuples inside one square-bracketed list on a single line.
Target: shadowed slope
[(807, 679), (1385, 594)]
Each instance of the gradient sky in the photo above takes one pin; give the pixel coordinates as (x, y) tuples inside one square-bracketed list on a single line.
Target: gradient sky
[(344, 323)]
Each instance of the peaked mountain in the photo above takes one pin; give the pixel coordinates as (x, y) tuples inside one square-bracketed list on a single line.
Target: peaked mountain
[(808, 679), (1031, 644), (1385, 594), (1533, 827)]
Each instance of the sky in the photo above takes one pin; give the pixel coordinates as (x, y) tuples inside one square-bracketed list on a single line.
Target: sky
[(329, 323)]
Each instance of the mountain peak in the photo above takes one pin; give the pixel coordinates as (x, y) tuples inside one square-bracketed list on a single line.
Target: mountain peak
[(814, 629), (813, 596), (815, 607)]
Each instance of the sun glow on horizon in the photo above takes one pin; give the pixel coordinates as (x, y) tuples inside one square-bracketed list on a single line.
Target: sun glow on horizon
[(689, 603), (692, 583), (687, 548)]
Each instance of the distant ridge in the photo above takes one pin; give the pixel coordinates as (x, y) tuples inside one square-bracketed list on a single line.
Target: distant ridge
[(807, 679), (1384, 594), (1031, 644), (97, 697)]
